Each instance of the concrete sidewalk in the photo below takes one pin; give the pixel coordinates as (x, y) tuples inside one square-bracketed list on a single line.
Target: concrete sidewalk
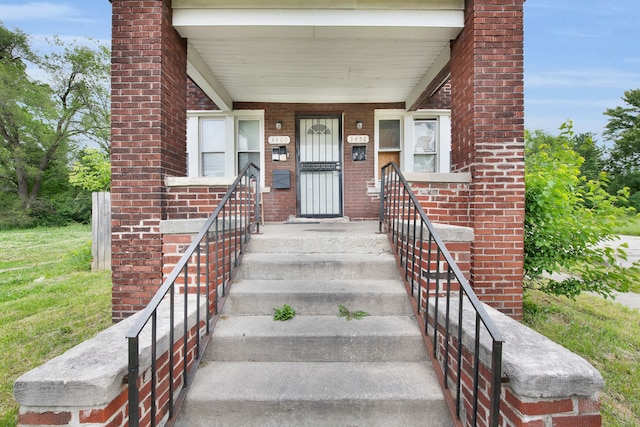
[(629, 299)]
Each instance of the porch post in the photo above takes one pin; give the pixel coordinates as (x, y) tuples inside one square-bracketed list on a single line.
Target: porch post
[(487, 112), (148, 128)]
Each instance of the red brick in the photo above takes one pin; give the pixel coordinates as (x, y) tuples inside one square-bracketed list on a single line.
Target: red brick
[(579, 420), (540, 407), (103, 415), (44, 418), (588, 406)]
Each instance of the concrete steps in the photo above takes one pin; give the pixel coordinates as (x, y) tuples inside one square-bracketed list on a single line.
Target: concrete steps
[(318, 297), (317, 369), (317, 339), (315, 394)]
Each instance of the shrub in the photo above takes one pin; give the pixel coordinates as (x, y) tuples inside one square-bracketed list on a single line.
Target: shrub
[(567, 220)]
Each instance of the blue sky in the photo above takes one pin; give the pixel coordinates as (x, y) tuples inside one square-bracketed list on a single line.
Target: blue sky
[(580, 55)]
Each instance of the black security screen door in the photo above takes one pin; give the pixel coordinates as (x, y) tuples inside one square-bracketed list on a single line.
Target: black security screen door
[(319, 167)]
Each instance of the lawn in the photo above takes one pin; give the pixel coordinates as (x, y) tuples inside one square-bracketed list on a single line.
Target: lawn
[(629, 226), (49, 301), (607, 335)]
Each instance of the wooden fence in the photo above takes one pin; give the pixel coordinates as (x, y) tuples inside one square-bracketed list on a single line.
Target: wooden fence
[(101, 231)]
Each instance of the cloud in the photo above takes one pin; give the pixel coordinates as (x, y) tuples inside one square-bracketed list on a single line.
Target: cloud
[(40, 11), (572, 102), (583, 78)]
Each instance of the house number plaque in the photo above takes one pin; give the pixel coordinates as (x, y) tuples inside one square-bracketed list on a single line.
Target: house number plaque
[(279, 140), (358, 139)]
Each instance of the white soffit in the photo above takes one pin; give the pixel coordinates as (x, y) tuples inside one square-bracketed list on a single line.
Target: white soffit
[(315, 55)]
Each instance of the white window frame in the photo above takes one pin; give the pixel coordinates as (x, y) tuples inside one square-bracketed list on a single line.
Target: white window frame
[(407, 137), (194, 154)]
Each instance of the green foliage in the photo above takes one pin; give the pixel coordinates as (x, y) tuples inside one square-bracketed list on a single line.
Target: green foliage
[(284, 313), (594, 156), (92, 171), (345, 312), (623, 129), (43, 122), (567, 220)]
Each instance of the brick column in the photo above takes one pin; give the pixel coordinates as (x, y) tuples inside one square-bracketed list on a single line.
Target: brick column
[(487, 112), (148, 142)]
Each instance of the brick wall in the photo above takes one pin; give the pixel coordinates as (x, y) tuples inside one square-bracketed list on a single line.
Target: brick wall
[(444, 202), (197, 99), (441, 100), (515, 410), (358, 204), (148, 142), (488, 142), (193, 202), (115, 411)]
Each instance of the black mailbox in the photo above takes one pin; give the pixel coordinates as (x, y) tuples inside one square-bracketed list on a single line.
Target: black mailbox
[(281, 179)]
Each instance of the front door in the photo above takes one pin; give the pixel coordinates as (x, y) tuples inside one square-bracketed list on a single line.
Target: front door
[(319, 166)]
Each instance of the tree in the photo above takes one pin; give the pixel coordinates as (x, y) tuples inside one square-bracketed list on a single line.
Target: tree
[(42, 123), (593, 155), (92, 171), (623, 129), (569, 220)]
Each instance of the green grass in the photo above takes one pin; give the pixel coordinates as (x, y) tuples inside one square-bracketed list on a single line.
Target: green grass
[(629, 226), (49, 301), (607, 335)]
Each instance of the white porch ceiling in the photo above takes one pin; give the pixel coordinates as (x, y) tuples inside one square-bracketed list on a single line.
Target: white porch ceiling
[(309, 56)]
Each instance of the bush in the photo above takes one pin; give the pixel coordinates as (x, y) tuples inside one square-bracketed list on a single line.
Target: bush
[(567, 218)]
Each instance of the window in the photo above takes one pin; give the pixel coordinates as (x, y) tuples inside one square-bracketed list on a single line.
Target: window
[(425, 134), (221, 144), (417, 141), (212, 147)]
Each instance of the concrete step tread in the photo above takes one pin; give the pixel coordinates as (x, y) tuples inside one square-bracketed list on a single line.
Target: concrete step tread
[(312, 238), (317, 297), (316, 326), (320, 266), (318, 287), (228, 381), (297, 258)]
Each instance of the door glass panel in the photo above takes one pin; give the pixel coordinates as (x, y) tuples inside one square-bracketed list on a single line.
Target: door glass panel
[(244, 158), (248, 135), (389, 134)]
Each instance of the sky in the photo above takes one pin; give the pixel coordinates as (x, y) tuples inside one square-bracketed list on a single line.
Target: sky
[(580, 55)]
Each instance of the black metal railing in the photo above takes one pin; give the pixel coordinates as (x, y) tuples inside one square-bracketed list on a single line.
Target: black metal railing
[(152, 396), (431, 275)]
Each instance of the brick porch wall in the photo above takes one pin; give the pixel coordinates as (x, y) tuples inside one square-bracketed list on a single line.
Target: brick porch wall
[(487, 110), (49, 394), (148, 142), (358, 202)]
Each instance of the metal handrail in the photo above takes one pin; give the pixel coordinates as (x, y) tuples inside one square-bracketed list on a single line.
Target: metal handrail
[(406, 222), (234, 206)]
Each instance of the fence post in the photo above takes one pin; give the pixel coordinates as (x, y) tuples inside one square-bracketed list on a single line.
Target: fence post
[(101, 231)]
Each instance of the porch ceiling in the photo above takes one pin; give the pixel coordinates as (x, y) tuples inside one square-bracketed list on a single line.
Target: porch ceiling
[(316, 55)]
